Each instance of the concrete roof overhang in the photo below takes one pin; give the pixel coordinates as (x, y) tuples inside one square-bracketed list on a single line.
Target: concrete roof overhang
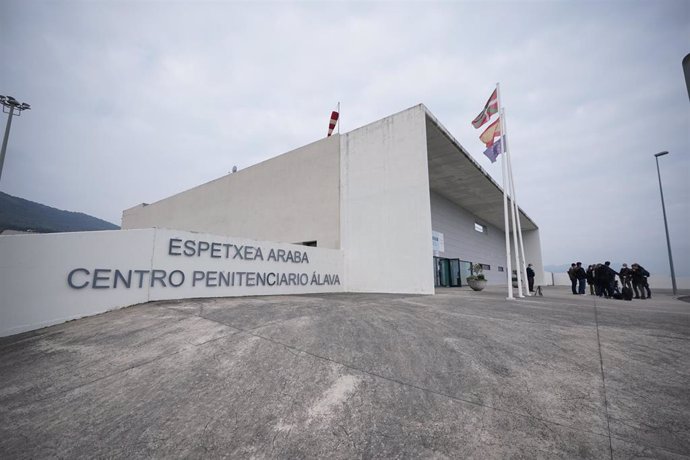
[(456, 176)]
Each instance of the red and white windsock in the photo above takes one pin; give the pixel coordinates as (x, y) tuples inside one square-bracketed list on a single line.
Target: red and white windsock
[(334, 120)]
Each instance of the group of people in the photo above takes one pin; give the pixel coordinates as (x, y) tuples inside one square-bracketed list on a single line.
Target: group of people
[(602, 282)]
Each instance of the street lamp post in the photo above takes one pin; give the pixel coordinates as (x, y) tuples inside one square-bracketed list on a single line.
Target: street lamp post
[(663, 207), (12, 107)]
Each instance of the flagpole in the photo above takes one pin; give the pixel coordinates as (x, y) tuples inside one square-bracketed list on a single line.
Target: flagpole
[(506, 223), (338, 117), (519, 225), (513, 205), (516, 212)]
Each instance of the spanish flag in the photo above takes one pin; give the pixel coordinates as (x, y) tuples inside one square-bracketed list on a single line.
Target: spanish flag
[(491, 132)]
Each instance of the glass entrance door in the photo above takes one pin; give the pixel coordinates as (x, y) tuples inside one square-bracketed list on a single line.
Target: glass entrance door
[(465, 269), (455, 279), (447, 272), (443, 272)]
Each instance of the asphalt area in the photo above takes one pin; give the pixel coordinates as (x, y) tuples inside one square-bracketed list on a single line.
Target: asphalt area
[(455, 375)]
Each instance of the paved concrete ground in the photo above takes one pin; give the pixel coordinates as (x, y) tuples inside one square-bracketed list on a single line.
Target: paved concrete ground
[(456, 375)]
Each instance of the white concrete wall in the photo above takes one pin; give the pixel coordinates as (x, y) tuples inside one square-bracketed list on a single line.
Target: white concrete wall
[(35, 272), (463, 242), (386, 217), (34, 268), (557, 279), (290, 198)]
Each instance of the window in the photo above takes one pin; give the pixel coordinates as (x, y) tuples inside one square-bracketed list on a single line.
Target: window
[(480, 228), (500, 269), (485, 267)]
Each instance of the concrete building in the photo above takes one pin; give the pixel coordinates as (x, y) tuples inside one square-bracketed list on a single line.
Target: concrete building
[(396, 206), (404, 201)]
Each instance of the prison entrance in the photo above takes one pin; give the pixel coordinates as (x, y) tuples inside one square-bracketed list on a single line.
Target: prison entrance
[(450, 272)]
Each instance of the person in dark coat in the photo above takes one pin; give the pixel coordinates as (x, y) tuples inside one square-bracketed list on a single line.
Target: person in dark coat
[(530, 277), (610, 278), (581, 276), (590, 278), (601, 280), (639, 280), (625, 274)]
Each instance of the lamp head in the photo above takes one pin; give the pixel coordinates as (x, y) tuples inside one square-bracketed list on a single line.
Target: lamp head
[(660, 154)]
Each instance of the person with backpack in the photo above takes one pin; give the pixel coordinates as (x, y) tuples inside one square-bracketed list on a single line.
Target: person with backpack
[(573, 278)]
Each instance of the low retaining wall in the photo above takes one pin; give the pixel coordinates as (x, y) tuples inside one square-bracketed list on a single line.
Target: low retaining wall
[(660, 281), (47, 279)]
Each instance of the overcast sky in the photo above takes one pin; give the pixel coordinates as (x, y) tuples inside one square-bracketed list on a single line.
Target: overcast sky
[(134, 101)]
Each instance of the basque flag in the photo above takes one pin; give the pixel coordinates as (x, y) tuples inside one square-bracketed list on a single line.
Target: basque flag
[(490, 108)]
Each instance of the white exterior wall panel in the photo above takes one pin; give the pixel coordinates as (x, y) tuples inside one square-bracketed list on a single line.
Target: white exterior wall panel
[(386, 217), (34, 268), (291, 198), (463, 242)]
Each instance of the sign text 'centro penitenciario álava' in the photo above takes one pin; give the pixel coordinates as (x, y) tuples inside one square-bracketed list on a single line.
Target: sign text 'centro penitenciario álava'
[(114, 278)]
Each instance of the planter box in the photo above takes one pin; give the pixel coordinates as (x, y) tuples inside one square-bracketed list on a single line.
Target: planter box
[(476, 285)]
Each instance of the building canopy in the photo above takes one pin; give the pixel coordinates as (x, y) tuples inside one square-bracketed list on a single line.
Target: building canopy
[(456, 176)]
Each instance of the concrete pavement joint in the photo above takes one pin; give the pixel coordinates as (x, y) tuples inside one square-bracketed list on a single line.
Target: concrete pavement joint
[(603, 377)]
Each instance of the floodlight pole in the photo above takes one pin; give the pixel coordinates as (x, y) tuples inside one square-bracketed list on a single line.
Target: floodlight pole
[(663, 207), (4, 141), (11, 104)]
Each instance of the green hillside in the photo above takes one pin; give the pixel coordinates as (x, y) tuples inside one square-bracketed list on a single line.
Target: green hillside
[(20, 214)]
